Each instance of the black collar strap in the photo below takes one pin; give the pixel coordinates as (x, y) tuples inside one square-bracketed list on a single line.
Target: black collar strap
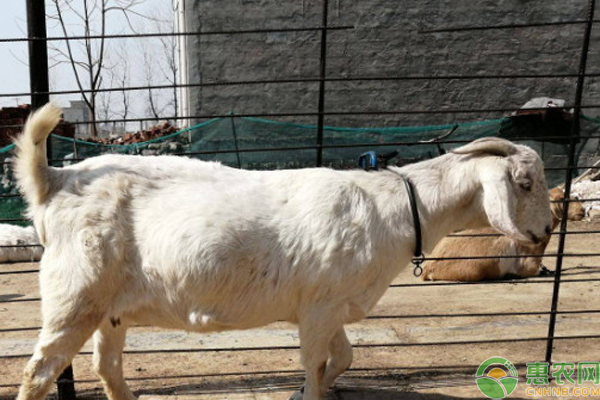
[(371, 161), (418, 255)]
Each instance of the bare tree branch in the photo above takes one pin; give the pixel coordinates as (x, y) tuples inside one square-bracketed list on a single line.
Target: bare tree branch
[(24, 63), (87, 57), (161, 65), (70, 51)]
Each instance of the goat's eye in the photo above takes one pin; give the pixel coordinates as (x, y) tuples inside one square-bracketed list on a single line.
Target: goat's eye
[(526, 186)]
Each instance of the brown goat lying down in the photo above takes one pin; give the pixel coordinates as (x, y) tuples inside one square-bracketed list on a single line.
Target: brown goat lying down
[(487, 246)]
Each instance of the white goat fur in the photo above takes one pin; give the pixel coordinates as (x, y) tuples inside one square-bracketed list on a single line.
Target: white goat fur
[(25, 241), (181, 243)]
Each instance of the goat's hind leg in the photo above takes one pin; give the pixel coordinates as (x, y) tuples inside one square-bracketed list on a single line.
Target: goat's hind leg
[(109, 340), (60, 340), (317, 330), (340, 358)]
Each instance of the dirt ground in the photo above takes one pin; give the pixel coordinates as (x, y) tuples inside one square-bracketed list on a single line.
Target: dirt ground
[(394, 369)]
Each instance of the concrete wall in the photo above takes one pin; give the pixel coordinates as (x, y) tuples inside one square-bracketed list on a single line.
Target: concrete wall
[(385, 41)]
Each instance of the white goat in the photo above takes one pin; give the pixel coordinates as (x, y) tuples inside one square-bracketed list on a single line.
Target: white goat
[(181, 243), (18, 243)]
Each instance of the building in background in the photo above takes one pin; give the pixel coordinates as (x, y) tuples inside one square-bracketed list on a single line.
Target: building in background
[(385, 39), (12, 120), (182, 42), (78, 113)]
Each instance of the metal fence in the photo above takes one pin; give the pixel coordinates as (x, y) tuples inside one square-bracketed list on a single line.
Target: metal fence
[(40, 94)]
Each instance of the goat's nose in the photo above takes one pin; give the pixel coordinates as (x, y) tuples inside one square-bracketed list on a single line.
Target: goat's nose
[(548, 230)]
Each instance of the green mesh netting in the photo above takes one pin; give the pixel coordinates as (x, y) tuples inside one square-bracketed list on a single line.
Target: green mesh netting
[(228, 138)]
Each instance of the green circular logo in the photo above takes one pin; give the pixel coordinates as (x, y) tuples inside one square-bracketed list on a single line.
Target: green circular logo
[(496, 378)]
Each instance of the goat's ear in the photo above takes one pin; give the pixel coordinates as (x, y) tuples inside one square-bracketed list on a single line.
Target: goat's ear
[(499, 202), (556, 194), (488, 145), (556, 209)]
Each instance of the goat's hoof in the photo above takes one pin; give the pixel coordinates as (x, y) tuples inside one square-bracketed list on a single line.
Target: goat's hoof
[(298, 394), (546, 272)]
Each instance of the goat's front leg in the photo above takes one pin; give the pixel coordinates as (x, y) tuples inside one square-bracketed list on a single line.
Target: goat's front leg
[(109, 341), (317, 329), (60, 340)]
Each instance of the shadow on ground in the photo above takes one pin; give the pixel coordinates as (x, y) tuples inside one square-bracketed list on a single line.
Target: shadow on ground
[(395, 386), (8, 297), (390, 387)]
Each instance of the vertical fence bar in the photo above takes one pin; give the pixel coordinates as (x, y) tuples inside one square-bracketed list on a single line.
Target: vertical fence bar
[(38, 53), (235, 142), (39, 84), (569, 177), (322, 72)]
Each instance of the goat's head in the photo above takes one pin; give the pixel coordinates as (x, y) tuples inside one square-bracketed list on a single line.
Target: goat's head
[(514, 191), (576, 209)]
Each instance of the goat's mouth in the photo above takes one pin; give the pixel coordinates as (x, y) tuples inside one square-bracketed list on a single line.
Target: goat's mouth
[(533, 238)]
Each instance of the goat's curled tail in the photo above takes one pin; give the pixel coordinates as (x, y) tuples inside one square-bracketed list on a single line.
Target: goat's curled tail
[(31, 163)]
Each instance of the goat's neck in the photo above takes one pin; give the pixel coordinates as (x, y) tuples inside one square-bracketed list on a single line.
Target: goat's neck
[(446, 190)]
